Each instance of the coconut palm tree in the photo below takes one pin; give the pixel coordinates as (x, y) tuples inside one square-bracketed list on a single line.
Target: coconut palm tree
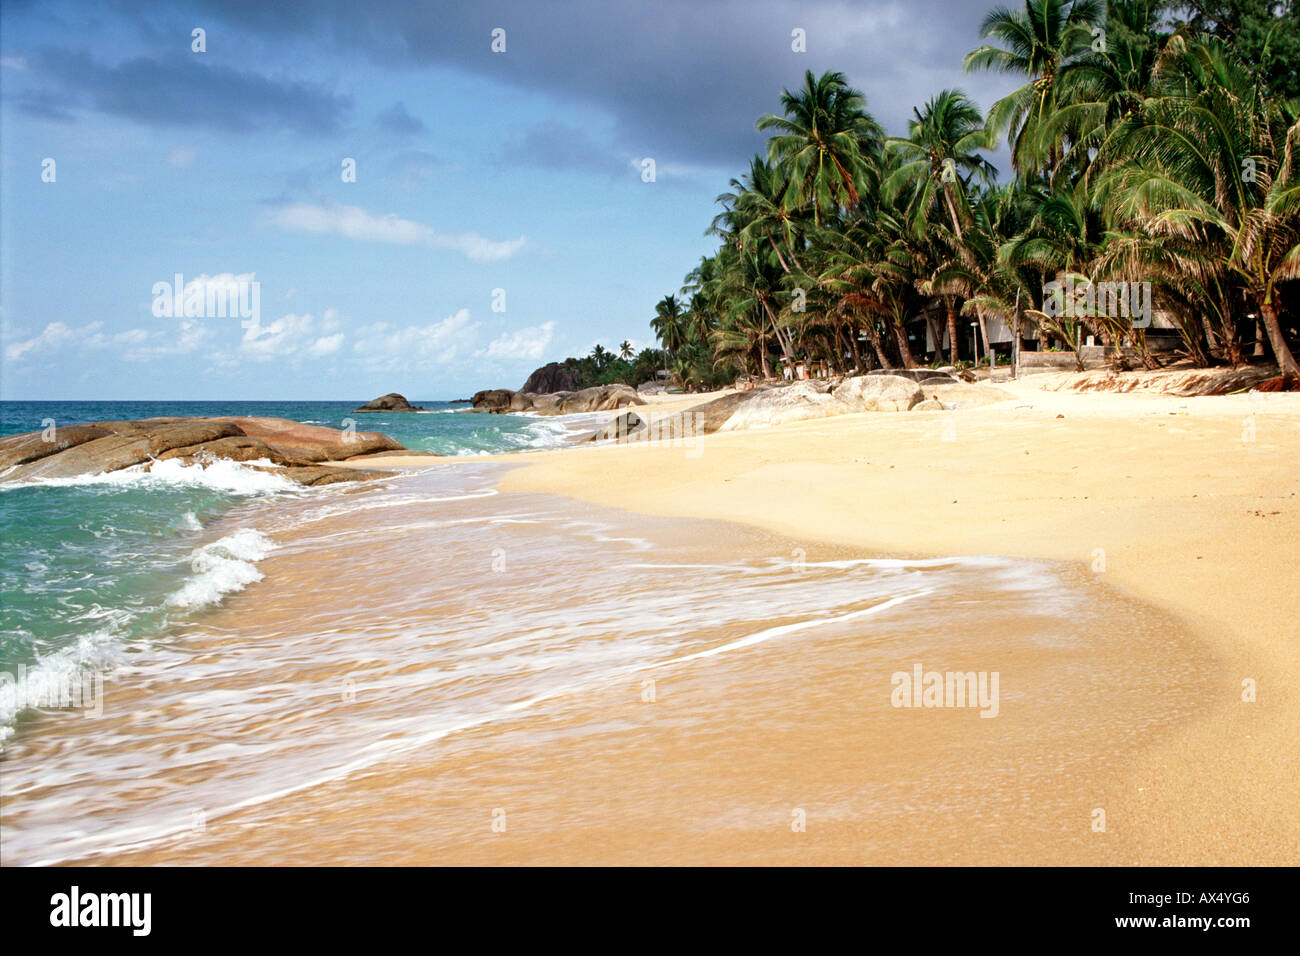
[(826, 143), (626, 351), (938, 160), (669, 324), (1213, 160), (1037, 42), (935, 166)]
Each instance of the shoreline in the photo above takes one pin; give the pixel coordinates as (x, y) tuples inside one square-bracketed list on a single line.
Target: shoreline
[(1136, 712), (1165, 493)]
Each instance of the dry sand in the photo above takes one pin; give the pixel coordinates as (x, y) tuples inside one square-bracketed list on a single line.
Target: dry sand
[(1193, 505)]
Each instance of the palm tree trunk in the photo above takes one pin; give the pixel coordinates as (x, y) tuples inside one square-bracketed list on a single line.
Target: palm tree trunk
[(984, 331), (904, 349), (873, 336), (952, 333), (1281, 351)]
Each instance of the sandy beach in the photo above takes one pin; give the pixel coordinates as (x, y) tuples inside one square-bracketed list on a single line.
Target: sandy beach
[(1191, 505)]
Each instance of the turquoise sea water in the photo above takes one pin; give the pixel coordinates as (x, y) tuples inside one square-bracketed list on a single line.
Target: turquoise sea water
[(93, 564)]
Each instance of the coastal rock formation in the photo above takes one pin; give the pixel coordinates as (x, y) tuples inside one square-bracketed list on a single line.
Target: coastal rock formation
[(553, 377), (629, 423), (776, 405), (296, 448), (1188, 382), (879, 393), (917, 374), (599, 398), (929, 405), (495, 400), (392, 402), (791, 403)]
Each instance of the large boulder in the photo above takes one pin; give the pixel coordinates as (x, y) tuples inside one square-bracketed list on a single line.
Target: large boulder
[(521, 402), (916, 374), (313, 443), (599, 398), (392, 402), (621, 428), (778, 406), (879, 393), (496, 400), (765, 406), (554, 377), (298, 449)]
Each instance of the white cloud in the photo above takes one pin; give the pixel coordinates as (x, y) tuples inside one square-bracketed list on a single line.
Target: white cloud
[(55, 335), (526, 343), (353, 222), (145, 345), (292, 336), (326, 345), (385, 346)]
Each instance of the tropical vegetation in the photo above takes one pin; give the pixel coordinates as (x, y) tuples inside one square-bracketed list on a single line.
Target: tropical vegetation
[(1147, 144)]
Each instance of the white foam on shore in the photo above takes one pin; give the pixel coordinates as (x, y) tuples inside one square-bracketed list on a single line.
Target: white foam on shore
[(223, 567), (233, 477), (50, 678)]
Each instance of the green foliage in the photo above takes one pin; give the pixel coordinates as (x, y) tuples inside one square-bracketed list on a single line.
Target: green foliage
[(1139, 155)]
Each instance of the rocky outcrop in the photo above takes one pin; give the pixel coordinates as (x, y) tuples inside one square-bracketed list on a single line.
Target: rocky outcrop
[(298, 450), (621, 428), (1184, 382), (916, 374), (554, 377), (778, 405), (599, 398), (496, 400), (392, 402), (879, 393)]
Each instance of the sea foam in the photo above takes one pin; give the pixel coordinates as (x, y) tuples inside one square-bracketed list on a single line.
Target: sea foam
[(223, 567)]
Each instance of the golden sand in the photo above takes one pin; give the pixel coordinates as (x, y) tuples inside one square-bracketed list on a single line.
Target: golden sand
[(1193, 505)]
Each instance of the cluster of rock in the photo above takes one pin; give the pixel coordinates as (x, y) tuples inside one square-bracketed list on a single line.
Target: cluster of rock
[(392, 402), (298, 452), (1187, 382), (599, 398), (765, 406)]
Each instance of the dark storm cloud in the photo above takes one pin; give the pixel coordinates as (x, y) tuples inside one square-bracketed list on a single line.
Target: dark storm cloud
[(681, 80), (178, 91)]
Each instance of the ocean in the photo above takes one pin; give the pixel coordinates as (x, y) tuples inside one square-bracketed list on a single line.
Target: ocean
[(94, 565)]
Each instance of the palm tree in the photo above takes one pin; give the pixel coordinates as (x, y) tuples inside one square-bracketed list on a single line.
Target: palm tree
[(668, 324), (1037, 42), (1178, 170), (935, 166), (939, 158), (826, 143), (626, 351)]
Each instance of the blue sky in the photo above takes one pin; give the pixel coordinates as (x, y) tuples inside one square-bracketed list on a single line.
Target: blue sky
[(475, 171)]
